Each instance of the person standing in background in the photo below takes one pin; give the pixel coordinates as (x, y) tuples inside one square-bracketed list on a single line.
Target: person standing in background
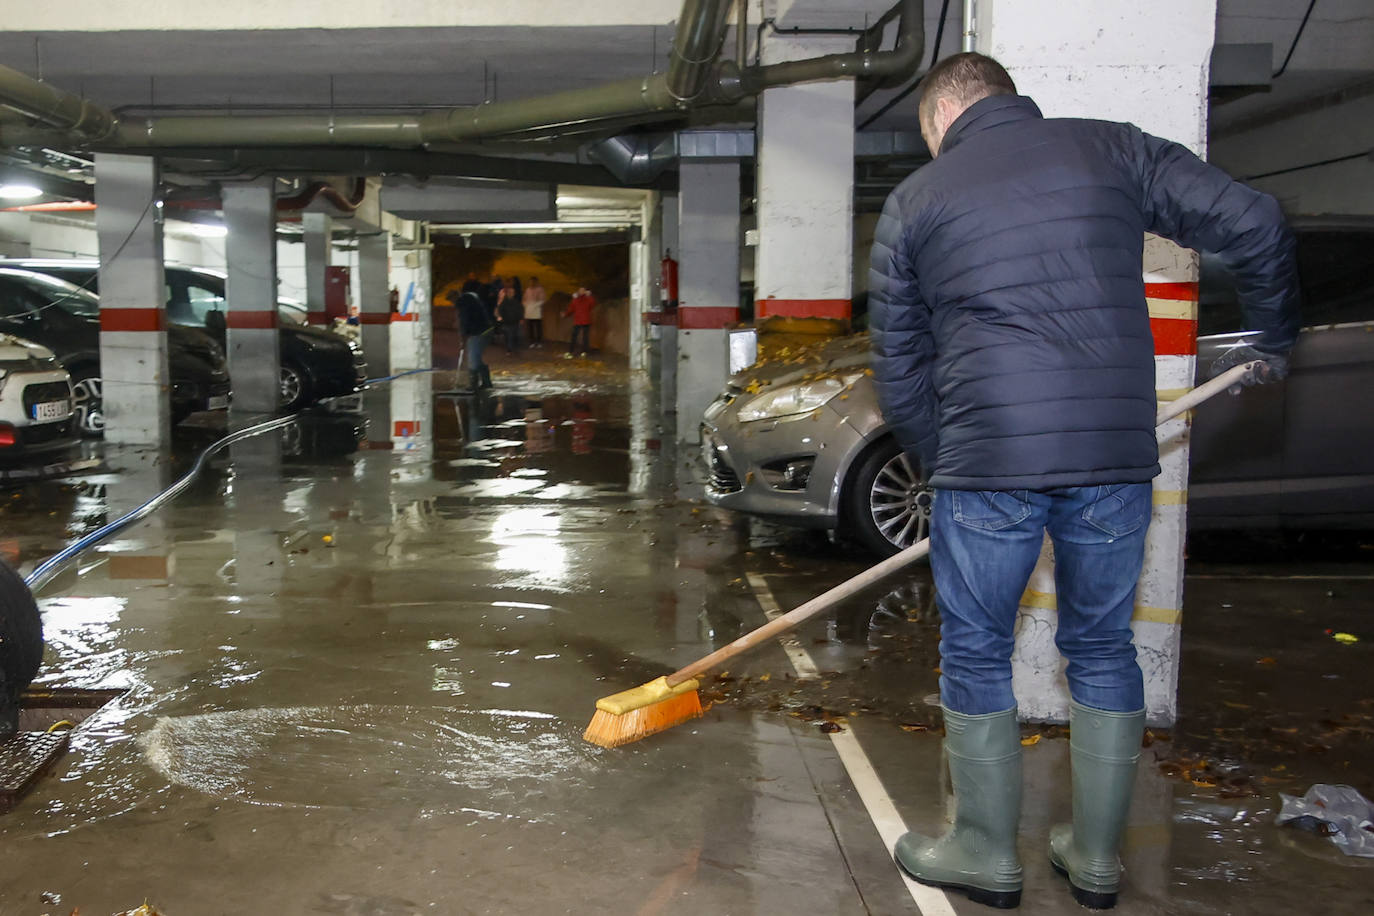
[(580, 308), (533, 302), (509, 311)]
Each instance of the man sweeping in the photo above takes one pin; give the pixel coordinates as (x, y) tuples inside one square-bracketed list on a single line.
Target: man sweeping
[(1014, 359)]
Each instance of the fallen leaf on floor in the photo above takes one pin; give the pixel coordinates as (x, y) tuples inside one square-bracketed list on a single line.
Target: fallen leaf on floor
[(1267, 661), (1030, 741), (914, 727)]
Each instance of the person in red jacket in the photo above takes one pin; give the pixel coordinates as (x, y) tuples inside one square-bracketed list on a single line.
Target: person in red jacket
[(580, 308)]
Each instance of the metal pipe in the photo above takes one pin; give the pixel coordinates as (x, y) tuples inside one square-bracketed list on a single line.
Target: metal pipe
[(970, 25), (742, 33), (700, 33), (695, 76), (902, 60), (50, 105)]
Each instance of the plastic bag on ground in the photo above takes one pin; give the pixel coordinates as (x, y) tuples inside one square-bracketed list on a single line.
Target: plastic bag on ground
[(1339, 812)]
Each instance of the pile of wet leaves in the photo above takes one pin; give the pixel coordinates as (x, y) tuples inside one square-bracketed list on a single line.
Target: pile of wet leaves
[(825, 703), (1268, 750)]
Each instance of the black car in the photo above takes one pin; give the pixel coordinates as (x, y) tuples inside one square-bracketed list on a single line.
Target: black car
[(315, 363), (66, 319)]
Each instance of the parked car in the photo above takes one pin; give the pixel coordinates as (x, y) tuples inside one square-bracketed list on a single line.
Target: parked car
[(804, 442), (315, 363), (35, 402), (66, 319)]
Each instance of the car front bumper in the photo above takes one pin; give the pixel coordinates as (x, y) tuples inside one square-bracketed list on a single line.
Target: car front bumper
[(746, 462)]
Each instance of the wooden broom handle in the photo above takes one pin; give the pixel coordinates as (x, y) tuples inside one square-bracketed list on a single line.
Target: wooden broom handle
[(804, 612), (900, 561)]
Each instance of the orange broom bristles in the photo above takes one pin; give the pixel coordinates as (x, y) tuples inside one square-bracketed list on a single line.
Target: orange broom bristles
[(609, 729)]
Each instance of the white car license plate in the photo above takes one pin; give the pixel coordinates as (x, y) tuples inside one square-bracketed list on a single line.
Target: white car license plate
[(52, 410), (218, 402)]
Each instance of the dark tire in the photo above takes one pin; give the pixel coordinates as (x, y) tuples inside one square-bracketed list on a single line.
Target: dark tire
[(88, 403), (295, 387), (21, 644), (887, 502)]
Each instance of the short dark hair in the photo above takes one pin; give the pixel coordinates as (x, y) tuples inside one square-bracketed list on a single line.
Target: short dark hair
[(963, 78)]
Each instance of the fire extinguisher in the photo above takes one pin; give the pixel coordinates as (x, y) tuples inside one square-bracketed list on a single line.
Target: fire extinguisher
[(668, 281)]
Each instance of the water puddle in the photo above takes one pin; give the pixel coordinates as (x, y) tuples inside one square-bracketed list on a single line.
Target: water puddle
[(369, 756)]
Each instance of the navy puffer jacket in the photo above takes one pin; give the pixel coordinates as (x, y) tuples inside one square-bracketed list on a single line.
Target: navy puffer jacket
[(1011, 339)]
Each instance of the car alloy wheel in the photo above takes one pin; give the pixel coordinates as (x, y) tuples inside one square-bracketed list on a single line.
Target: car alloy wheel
[(900, 502), (88, 405), (292, 387)]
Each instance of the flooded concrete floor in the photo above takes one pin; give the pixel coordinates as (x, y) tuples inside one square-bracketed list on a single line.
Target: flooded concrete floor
[(360, 655)]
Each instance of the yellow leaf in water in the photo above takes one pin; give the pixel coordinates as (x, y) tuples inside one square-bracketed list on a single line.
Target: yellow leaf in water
[(1030, 741), (1345, 639), (765, 677)]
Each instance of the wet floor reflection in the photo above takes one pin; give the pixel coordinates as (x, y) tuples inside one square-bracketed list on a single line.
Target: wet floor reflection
[(361, 655)]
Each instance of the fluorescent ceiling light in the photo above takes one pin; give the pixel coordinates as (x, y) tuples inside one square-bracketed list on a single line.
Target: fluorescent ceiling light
[(19, 191)]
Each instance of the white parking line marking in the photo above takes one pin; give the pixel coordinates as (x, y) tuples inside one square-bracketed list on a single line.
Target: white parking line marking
[(930, 901)]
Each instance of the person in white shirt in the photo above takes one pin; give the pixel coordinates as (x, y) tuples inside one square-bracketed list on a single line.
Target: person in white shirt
[(533, 301)]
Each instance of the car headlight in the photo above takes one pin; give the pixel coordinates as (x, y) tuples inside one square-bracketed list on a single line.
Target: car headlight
[(796, 400)]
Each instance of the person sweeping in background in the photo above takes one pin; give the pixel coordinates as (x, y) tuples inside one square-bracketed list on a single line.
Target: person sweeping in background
[(475, 323), (1013, 357)]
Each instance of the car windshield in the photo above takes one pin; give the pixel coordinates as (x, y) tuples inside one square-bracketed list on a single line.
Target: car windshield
[(291, 312), (66, 296)]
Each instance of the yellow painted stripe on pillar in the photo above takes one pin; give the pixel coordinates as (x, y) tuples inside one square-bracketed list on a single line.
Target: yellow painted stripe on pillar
[(1172, 308), (1048, 601), (1169, 615), (1170, 394), (1170, 497)]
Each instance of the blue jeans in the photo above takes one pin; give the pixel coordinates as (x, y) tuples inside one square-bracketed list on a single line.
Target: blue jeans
[(984, 544)]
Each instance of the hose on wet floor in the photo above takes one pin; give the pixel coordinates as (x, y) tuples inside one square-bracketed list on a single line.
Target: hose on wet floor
[(45, 571)]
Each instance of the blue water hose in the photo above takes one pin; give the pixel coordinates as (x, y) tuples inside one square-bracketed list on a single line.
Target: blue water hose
[(45, 571), (392, 378)]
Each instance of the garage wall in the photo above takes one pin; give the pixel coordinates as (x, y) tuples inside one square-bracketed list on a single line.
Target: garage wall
[(1345, 188)]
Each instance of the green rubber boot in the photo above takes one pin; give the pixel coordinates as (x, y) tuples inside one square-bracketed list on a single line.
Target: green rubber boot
[(978, 854), (1104, 747)]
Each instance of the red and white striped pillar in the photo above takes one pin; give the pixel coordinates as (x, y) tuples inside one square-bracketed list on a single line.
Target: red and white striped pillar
[(251, 255), (374, 294), (318, 233), (132, 377), (805, 184), (708, 285), (1146, 64)]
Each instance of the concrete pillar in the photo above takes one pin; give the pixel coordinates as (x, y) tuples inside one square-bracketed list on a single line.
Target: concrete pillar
[(708, 285), (1147, 64), (670, 215), (132, 379), (251, 253), (412, 326), (318, 232), (805, 189), (374, 290), (644, 258)]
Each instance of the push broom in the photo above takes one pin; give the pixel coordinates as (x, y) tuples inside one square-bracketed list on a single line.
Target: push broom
[(673, 699)]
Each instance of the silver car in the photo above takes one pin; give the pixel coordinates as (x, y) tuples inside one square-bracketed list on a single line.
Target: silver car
[(803, 442)]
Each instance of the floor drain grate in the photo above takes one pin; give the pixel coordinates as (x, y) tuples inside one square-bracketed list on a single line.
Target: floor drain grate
[(28, 754)]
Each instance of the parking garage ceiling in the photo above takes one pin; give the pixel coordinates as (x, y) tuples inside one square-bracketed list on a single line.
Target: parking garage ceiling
[(241, 69)]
